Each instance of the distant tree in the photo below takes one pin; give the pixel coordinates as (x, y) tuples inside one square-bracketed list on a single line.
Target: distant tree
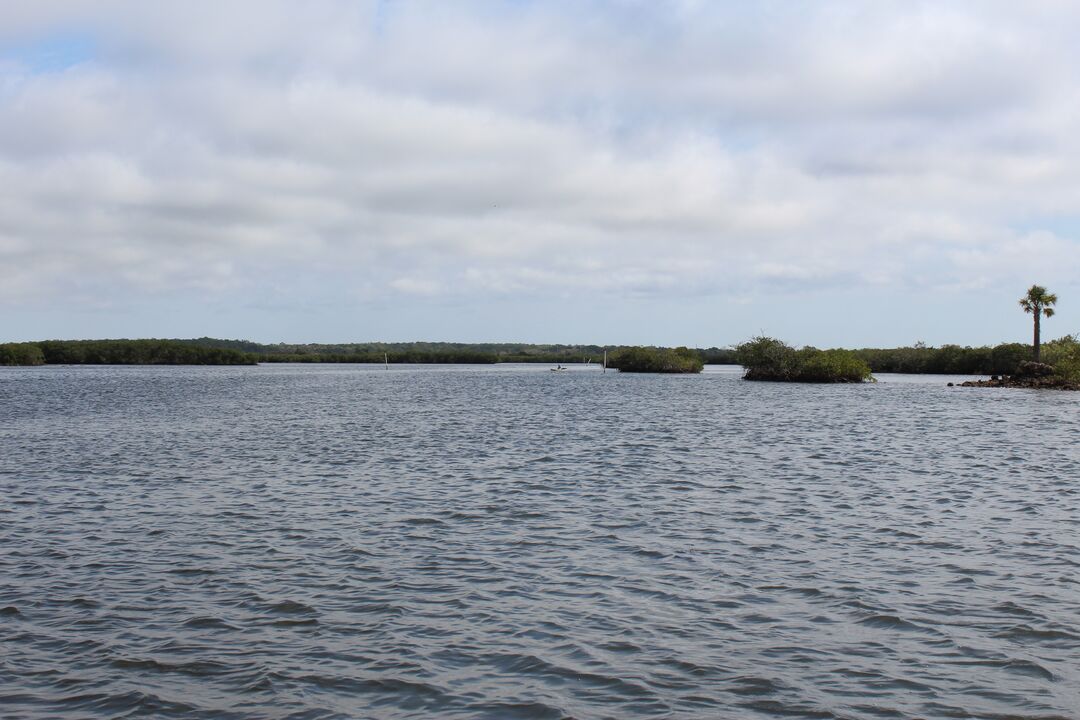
[(1038, 302)]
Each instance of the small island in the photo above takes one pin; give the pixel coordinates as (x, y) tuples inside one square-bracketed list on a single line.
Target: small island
[(769, 359), (1053, 366), (1062, 372), (656, 360), (1031, 376)]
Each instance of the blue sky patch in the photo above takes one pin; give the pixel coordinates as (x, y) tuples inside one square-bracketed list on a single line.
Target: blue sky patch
[(53, 53)]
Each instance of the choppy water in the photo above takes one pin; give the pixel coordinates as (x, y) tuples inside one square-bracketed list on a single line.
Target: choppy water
[(505, 542)]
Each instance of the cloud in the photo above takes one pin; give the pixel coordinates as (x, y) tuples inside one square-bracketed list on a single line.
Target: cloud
[(486, 149)]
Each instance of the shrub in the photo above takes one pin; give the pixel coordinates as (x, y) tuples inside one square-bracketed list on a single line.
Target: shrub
[(831, 366), (766, 358), (1064, 355), (656, 360)]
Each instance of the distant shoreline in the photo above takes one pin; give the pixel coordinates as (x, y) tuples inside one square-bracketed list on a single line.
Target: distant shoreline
[(918, 360)]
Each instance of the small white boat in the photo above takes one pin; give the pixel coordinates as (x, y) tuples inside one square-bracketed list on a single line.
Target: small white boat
[(560, 368)]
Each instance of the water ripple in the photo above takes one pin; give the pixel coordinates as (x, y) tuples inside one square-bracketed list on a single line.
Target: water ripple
[(504, 542)]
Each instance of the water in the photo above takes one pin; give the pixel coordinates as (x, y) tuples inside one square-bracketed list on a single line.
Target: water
[(506, 542)]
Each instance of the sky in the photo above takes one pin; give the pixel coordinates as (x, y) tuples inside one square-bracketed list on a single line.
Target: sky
[(635, 171)]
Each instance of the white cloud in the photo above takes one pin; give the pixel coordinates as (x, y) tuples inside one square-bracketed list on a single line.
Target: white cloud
[(512, 148)]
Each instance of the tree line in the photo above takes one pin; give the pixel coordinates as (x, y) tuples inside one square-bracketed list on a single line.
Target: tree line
[(419, 357), (946, 360), (119, 352), (917, 359)]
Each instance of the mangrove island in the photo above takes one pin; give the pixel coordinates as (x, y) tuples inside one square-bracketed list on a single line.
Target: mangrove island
[(656, 360), (765, 358)]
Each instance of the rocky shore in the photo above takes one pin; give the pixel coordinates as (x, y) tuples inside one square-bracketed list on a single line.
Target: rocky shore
[(1029, 375)]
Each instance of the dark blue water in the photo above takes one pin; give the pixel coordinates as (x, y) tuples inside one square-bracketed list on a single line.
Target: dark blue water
[(506, 542)]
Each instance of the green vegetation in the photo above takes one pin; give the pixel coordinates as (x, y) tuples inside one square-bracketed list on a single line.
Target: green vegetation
[(245, 346), (422, 352), (766, 358), (717, 356), (947, 359), (124, 352), (436, 352), (656, 360), (21, 354), (1038, 302), (1060, 371), (214, 351), (395, 356), (1063, 355)]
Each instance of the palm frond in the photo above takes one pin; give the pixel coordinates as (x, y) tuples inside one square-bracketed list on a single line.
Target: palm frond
[(1037, 299)]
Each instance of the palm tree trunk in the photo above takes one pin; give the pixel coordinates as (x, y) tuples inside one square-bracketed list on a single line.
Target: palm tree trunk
[(1038, 312)]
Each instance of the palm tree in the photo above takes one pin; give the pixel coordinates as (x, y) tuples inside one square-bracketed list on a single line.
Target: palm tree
[(1038, 302)]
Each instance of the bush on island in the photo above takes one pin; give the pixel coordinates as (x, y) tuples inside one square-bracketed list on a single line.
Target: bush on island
[(656, 360), (1064, 355), (765, 358)]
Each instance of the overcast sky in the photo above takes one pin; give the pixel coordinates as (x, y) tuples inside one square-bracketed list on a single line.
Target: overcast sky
[(833, 173)]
